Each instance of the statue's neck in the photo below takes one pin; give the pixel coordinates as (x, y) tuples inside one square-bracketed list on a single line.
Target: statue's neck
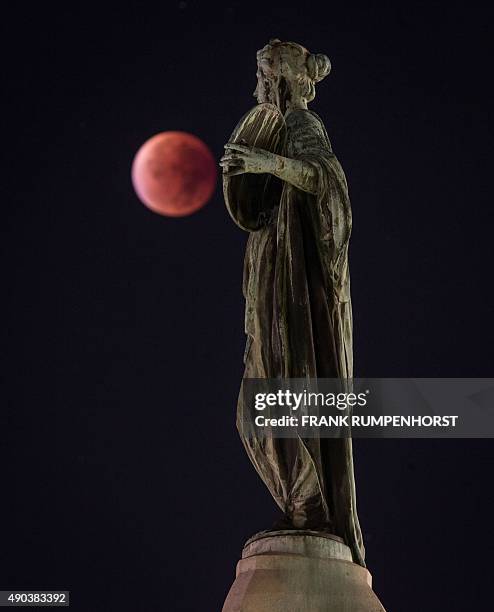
[(288, 98), (298, 105)]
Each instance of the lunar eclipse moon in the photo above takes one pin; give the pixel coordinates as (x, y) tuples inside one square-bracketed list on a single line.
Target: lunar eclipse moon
[(174, 173)]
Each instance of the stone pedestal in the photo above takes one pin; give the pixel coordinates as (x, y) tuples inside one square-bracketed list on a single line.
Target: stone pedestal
[(300, 571)]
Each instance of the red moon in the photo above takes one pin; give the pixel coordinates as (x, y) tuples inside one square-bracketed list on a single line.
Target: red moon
[(174, 173)]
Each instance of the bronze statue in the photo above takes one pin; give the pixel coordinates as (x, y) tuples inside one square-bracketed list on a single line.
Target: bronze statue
[(283, 184)]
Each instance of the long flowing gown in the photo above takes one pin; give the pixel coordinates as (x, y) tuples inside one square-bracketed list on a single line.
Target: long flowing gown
[(298, 322)]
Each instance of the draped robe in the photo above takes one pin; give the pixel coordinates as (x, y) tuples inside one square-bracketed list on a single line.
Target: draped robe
[(298, 322)]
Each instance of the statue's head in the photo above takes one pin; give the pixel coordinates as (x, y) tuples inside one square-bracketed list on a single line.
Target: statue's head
[(287, 74)]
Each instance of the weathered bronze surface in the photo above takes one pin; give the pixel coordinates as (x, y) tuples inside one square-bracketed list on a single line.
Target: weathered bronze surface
[(283, 184)]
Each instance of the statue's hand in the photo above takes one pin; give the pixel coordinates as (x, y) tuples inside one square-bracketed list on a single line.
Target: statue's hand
[(240, 158)]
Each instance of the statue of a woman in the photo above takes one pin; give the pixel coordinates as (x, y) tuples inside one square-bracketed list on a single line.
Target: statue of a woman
[(297, 290)]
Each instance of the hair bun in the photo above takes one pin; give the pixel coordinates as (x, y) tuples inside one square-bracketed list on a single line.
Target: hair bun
[(318, 66)]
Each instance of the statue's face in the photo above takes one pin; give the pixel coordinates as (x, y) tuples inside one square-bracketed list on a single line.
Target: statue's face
[(281, 63), (267, 78)]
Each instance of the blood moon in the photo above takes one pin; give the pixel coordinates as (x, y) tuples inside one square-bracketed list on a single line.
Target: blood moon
[(174, 173)]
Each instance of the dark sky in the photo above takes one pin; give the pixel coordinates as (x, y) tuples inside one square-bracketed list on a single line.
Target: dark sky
[(123, 477)]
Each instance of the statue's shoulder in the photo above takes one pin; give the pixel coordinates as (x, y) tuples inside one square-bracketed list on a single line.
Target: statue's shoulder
[(303, 116), (307, 121)]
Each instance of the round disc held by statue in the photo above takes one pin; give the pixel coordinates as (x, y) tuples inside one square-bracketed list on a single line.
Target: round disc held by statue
[(250, 198)]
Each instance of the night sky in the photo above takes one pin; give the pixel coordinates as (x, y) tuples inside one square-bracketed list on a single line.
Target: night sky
[(123, 476)]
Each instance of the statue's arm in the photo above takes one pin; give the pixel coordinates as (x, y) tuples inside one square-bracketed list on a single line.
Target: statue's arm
[(299, 173), (239, 159)]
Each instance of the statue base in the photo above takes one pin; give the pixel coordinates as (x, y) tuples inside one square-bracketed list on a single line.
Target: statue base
[(300, 571)]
